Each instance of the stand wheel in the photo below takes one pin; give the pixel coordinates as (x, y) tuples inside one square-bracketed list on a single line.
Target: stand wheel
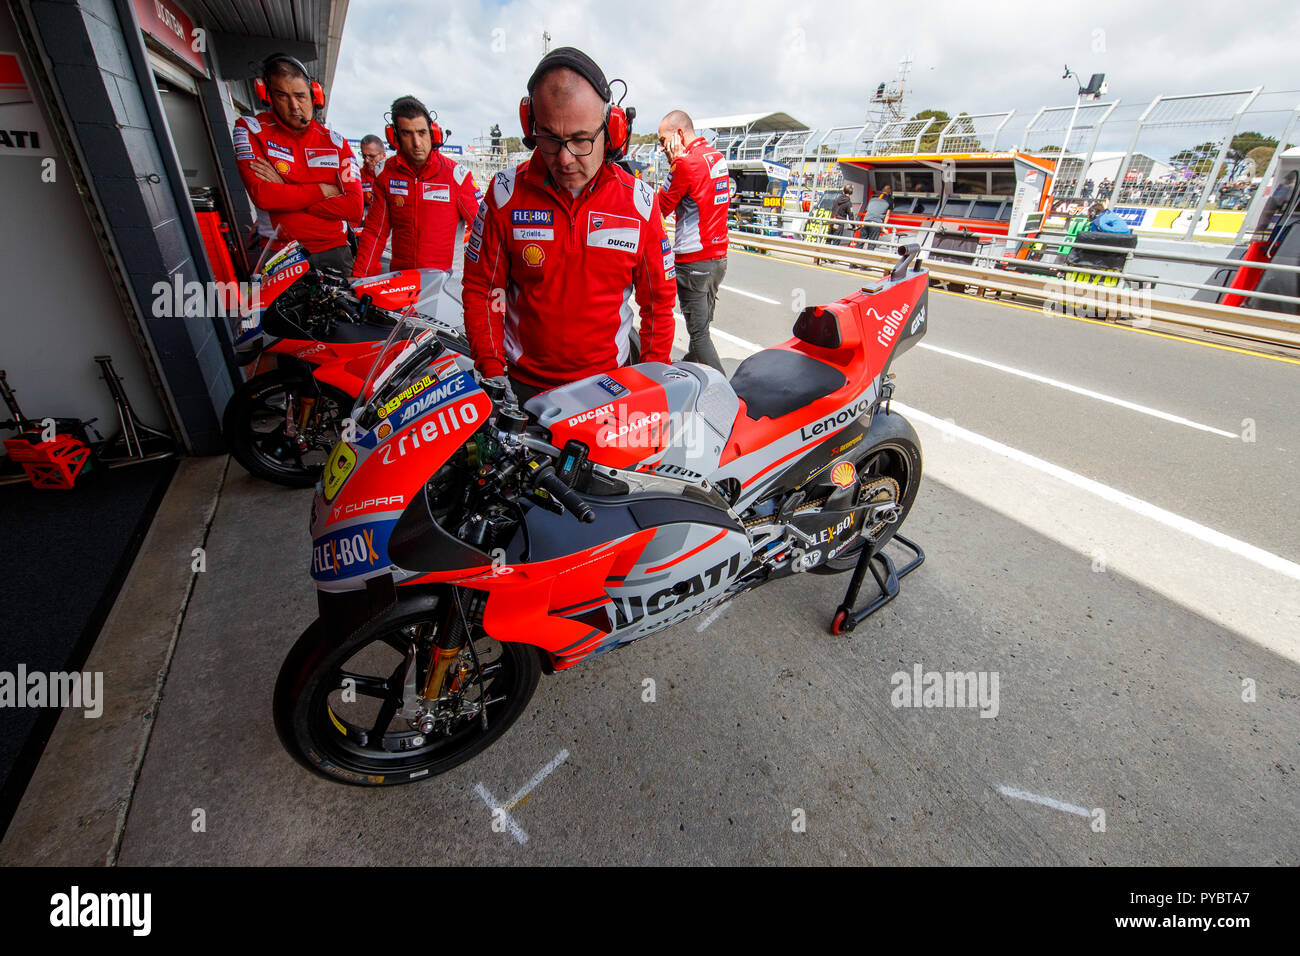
[(837, 622)]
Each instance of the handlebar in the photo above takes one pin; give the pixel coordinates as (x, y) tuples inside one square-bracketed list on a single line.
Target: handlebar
[(549, 482)]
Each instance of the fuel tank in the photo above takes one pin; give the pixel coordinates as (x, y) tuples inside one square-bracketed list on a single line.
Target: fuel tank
[(664, 419)]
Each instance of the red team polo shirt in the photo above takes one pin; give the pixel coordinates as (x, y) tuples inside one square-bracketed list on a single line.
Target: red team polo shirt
[(420, 209), (698, 191), (297, 207), (567, 267)]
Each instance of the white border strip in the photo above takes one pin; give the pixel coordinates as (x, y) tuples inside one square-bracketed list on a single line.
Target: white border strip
[(1200, 532), (1087, 393)]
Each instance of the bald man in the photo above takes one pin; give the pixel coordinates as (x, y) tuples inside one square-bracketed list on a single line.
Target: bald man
[(561, 241), (697, 193)]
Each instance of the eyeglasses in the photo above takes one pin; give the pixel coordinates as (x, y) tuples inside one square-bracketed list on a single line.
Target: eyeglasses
[(578, 145)]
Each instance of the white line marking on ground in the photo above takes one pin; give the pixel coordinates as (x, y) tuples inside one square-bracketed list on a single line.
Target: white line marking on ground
[(717, 613), (511, 824), (1045, 801), (1218, 539), (1088, 393), (735, 340), (760, 298)]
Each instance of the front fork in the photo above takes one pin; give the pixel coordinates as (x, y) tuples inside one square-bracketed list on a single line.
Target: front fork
[(446, 649)]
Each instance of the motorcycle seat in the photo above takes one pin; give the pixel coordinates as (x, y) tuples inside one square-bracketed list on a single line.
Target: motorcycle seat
[(776, 382)]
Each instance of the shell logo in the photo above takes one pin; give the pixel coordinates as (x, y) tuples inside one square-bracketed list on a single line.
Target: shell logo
[(844, 474), (533, 254), (384, 431), (399, 201), (281, 165)]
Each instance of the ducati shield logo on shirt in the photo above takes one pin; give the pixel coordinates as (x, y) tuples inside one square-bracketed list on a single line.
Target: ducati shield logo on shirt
[(322, 158), (437, 193), (606, 231)]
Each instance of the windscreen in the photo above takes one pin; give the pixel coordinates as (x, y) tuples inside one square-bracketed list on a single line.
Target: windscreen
[(401, 366)]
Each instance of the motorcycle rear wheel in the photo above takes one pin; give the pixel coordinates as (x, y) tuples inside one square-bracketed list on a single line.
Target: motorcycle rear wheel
[(254, 427), (893, 451), (365, 741)]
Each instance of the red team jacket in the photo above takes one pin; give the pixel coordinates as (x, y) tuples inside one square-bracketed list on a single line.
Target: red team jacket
[(698, 191), (568, 267), (367, 185), (420, 209), (297, 207)]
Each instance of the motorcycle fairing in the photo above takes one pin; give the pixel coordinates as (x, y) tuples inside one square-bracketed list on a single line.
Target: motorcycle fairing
[(670, 420), (396, 467), (394, 291)]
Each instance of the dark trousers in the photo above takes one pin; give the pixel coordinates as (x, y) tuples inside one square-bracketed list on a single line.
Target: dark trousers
[(697, 294), (523, 391), (339, 259)]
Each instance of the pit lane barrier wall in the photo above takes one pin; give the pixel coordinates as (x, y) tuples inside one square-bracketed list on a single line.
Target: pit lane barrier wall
[(1135, 302)]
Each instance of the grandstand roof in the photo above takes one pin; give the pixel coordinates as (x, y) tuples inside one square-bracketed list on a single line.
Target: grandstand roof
[(751, 122)]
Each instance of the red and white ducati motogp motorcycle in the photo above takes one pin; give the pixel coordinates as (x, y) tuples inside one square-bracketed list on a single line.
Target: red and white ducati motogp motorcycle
[(462, 545), (324, 332)]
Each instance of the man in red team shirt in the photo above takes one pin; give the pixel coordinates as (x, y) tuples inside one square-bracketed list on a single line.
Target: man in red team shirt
[(561, 241), (419, 197), (697, 191), (373, 155), (301, 172)]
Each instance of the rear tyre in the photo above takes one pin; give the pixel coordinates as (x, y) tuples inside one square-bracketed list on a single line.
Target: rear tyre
[(255, 427), (892, 451), (364, 740)]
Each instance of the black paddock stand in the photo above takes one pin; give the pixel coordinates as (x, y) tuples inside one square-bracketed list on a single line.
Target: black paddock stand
[(887, 579), (133, 433)]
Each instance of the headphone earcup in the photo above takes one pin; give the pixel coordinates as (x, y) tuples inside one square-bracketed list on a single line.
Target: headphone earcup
[(616, 131), (526, 122), (435, 135), (259, 88), (317, 95), (390, 136)]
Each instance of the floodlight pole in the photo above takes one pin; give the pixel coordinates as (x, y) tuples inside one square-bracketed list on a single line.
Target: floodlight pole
[(1060, 159)]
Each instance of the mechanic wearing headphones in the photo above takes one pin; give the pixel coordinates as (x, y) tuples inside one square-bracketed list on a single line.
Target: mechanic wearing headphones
[(561, 241), (419, 197), (302, 173)]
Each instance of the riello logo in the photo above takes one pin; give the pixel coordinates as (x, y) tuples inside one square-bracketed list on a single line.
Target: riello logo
[(890, 323)]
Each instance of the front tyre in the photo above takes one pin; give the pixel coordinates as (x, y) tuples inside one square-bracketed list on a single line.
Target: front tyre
[(338, 697), (256, 425)]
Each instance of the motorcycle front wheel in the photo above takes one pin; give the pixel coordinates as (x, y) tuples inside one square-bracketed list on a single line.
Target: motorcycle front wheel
[(255, 425), (338, 696)]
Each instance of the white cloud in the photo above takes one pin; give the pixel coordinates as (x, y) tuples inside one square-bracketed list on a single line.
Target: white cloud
[(818, 61)]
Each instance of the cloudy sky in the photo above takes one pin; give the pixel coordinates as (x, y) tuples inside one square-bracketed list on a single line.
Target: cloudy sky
[(817, 61)]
